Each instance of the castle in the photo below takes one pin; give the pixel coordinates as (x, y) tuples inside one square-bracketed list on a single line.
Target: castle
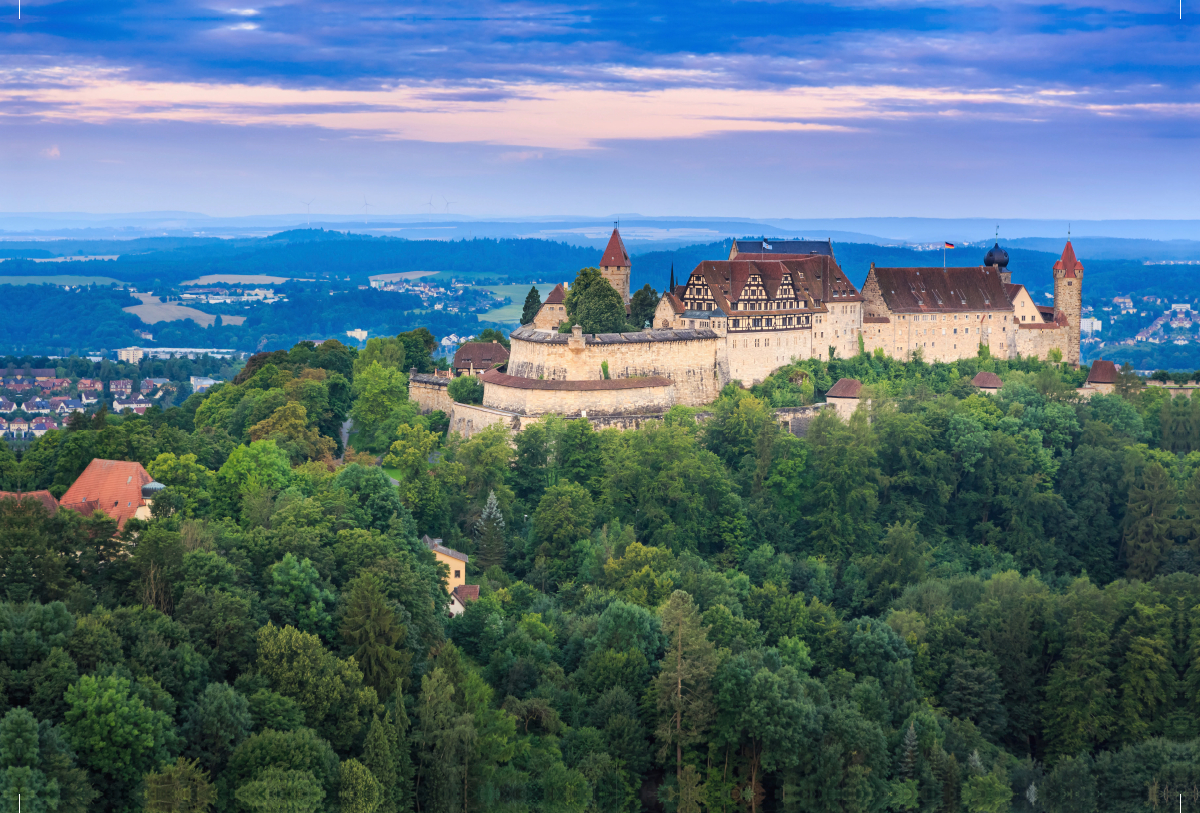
[(744, 317)]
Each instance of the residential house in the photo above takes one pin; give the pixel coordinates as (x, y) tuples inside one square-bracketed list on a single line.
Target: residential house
[(37, 407), (88, 398), (121, 489), (42, 425), (151, 384), (3, 425), (473, 358), (137, 403), (54, 384), (456, 580), (202, 383), (121, 387), (988, 383), (7, 406), (18, 425), (68, 406), (90, 385), (844, 396), (18, 386), (462, 595)]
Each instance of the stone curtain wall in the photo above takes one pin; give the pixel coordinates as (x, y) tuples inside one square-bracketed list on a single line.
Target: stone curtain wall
[(1038, 341), (935, 335), (430, 393), (655, 398), (690, 363)]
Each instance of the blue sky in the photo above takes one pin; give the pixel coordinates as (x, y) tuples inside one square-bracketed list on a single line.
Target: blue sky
[(756, 109)]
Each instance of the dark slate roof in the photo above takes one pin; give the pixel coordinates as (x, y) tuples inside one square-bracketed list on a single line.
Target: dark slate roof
[(615, 253), (750, 245), (845, 388), (516, 382), (1103, 372), (986, 380), (436, 545), (936, 290), (480, 355)]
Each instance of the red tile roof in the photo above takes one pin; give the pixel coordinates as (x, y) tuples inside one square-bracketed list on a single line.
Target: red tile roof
[(111, 486), (814, 278), (480, 355), (44, 497), (845, 388), (466, 592), (936, 290), (1068, 263), (556, 296), (986, 380), (1102, 372), (615, 254)]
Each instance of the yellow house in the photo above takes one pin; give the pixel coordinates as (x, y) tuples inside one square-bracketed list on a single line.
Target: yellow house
[(452, 559)]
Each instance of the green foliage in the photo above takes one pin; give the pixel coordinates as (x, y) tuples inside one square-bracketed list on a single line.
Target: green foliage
[(466, 389), (179, 788), (593, 304), (371, 629), (642, 305), (533, 304)]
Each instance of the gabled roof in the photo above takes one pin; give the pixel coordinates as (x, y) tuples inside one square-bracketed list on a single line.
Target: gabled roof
[(465, 593), (986, 380), (480, 355), (815, 278), (556, 296), (752, 246), (436, 546), (1068, 263), (1103, 372), (845, 388), (44, 497), (615, 253), (929, 290), (111, 486)]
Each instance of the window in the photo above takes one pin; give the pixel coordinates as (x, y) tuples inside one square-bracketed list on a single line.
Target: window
[(458, 574)]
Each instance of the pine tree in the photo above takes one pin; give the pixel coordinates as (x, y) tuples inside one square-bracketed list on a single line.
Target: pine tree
[(908, 753), (683, 686), (489, 532), (1147, 675), (398, 731), (533, 304), (1079, 704), (379, 757), (179, 788), (1149, 521), (371, 627)]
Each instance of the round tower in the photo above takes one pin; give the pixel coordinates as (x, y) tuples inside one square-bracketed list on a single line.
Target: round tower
[(1068, 298)]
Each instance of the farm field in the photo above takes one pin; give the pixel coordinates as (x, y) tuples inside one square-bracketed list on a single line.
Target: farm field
[(242, 279), (511, 312), (152, 311), (401, 275)]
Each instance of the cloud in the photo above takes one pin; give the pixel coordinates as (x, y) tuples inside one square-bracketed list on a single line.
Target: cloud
[(51, 152)]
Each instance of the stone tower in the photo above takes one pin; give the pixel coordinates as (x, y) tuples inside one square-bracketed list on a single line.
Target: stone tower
[(615, 266), (1068, 298)]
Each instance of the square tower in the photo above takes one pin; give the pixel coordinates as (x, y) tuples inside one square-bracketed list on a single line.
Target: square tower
[(1068, 298), (614, 266)]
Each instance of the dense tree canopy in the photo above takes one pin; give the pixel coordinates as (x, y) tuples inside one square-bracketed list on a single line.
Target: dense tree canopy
[(949, 602)]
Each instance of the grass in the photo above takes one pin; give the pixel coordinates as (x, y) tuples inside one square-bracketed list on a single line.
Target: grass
[(393, 473), (507, 313), (60, 279)]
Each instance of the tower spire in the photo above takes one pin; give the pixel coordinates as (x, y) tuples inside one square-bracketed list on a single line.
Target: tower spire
[(671, 287)]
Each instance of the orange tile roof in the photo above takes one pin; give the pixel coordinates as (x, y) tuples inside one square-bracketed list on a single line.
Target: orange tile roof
[(44, 497), (1068, 262), (111, 486), (615, 253)]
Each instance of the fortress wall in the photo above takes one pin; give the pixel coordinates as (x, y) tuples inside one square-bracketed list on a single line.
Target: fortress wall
[(430, 393), (1039, 341), (755, 355), (937, 338), (616, 402), (468, 419), (691, 364)]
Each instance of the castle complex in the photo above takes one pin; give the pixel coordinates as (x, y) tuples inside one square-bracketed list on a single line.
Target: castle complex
[(744, 317)]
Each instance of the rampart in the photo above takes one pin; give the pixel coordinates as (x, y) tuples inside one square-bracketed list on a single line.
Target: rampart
[(430, 392), (619, 396), (693, 360)]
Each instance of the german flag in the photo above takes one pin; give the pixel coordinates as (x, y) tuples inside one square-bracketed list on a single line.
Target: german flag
[(949, 245)]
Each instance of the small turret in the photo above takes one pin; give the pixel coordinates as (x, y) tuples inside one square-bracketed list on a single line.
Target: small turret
[(1068, 298)]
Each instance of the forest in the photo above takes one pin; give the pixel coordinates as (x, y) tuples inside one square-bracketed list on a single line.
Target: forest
[(951, 601)]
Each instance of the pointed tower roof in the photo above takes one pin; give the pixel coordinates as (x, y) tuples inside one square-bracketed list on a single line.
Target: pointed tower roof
[(671, 286), (615, 253), (1068, 262)]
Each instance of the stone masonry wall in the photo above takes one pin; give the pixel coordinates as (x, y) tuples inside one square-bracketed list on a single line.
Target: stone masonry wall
[(942, 336), (691, 365), (1039, 341), (1068, 298), (430, 393), (577, 402)]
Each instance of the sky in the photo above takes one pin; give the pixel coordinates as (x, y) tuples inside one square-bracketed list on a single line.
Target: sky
[(765, 109)]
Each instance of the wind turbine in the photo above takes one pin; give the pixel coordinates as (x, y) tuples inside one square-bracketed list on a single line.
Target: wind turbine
[(430, 204), (366, 207), (448, 202), (308, 209)]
